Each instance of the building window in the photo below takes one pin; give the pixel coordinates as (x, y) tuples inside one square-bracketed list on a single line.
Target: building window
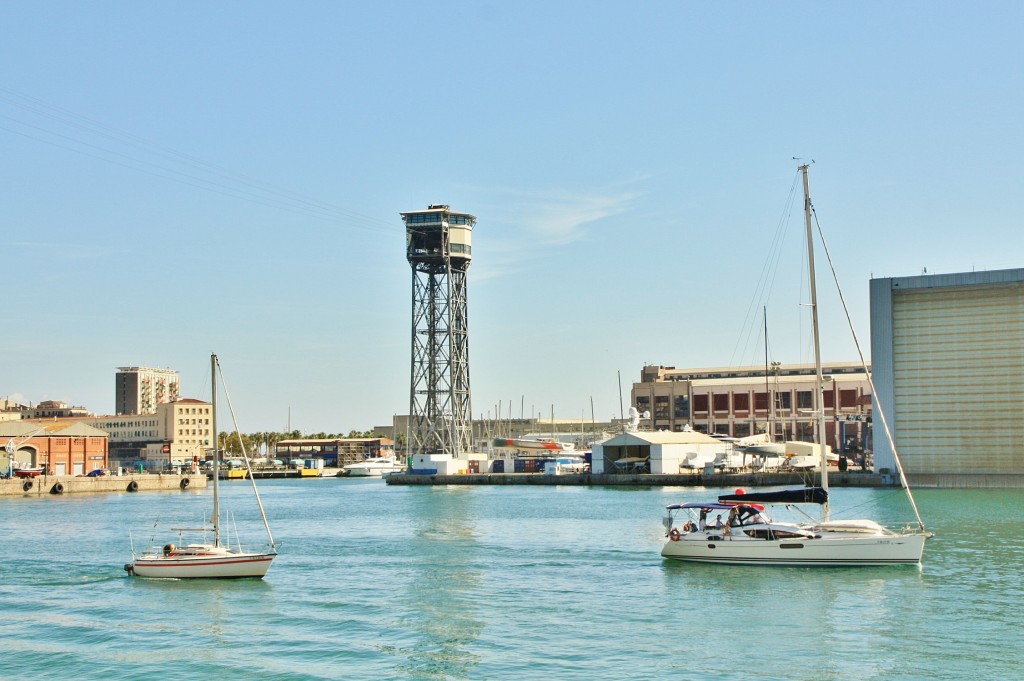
[(803, 399), (661, 407), (682, 407)]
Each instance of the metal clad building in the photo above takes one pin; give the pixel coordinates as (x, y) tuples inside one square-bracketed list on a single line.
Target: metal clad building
[(947, 355)]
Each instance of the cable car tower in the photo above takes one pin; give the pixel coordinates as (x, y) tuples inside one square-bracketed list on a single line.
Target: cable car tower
[(439, 249)]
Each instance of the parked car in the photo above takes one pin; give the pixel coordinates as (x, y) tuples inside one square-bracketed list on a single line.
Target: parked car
[(98, 473)]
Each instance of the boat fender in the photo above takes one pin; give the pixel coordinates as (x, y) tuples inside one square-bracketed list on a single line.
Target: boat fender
[(27, 486), (674, 534), (57, 489), (184, 483), (133, 486)]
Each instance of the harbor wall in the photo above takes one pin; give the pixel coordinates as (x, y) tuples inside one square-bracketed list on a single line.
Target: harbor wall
[(62, 485), (857, 479)]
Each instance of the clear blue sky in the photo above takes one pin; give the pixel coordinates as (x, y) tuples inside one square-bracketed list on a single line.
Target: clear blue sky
[(193, 177)]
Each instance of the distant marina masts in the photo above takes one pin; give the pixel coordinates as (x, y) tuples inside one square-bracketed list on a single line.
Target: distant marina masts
[(439, 249)]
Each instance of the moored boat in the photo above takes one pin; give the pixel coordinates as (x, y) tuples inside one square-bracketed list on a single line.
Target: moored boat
[(373, 467)]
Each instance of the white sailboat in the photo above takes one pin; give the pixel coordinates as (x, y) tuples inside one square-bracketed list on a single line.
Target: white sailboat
[(205, 559), (747, 535)]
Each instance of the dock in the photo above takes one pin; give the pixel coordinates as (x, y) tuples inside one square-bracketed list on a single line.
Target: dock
[(62, 485), (848, 479)]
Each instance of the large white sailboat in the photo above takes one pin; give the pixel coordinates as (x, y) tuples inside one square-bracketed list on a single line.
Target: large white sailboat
[(738, 529), (206, 559)]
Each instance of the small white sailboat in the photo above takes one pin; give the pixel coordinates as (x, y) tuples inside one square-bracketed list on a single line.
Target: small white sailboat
[(749, 536), (205, 559)]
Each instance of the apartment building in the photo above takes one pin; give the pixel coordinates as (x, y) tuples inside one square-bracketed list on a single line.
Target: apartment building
[(138, 390)]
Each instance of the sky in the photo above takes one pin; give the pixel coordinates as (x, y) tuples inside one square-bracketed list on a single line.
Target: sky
[(193, 177)]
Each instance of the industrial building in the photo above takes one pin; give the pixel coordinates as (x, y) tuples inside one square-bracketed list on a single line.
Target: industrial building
[(948, 357), (57, 447), (335, 452), (744, 401)]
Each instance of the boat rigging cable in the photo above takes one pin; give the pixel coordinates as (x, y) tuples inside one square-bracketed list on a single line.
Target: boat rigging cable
[(245, 457), (766, 280), (860, 353), (128, 150)]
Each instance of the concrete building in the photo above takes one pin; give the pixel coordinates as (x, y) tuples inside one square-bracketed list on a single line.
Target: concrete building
[(138, 390), (11, 410), (948, 357), (179, 432), (743, 401), (62, 447), (54, 409)]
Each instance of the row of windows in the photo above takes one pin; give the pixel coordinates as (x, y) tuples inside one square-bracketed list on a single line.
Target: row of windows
[(740, 402), (193, 422), (454, 248), (430, 218), (111, 425)]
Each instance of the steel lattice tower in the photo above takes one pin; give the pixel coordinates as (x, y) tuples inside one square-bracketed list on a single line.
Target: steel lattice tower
[(439, 249)]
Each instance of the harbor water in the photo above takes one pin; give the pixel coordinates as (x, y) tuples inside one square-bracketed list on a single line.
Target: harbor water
[(498, 582)]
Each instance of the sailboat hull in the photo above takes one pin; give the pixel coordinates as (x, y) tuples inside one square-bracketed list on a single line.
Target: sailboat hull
[(823, 552), (221, 565)]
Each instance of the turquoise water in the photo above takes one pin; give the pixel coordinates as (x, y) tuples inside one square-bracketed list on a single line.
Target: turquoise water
[(378, 582)]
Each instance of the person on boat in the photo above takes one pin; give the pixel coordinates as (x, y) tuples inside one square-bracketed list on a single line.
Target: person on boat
[(704, 519), (688, 527), (718, 522)]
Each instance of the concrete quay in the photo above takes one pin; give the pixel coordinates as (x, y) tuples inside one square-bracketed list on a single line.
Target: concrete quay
[(848, 479), (61, 485)]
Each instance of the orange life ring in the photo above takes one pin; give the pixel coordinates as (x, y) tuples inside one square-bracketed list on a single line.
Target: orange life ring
[(674, 534)]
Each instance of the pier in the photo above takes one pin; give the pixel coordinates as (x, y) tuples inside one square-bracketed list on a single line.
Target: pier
[(853, 479), (62, 485)]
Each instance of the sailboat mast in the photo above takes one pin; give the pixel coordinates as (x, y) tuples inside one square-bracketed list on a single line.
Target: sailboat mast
[(216, 450), (819, 406), (767, 388)]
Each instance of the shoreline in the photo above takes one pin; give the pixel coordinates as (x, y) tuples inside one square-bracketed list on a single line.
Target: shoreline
[(848, 479), (61, 485)]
